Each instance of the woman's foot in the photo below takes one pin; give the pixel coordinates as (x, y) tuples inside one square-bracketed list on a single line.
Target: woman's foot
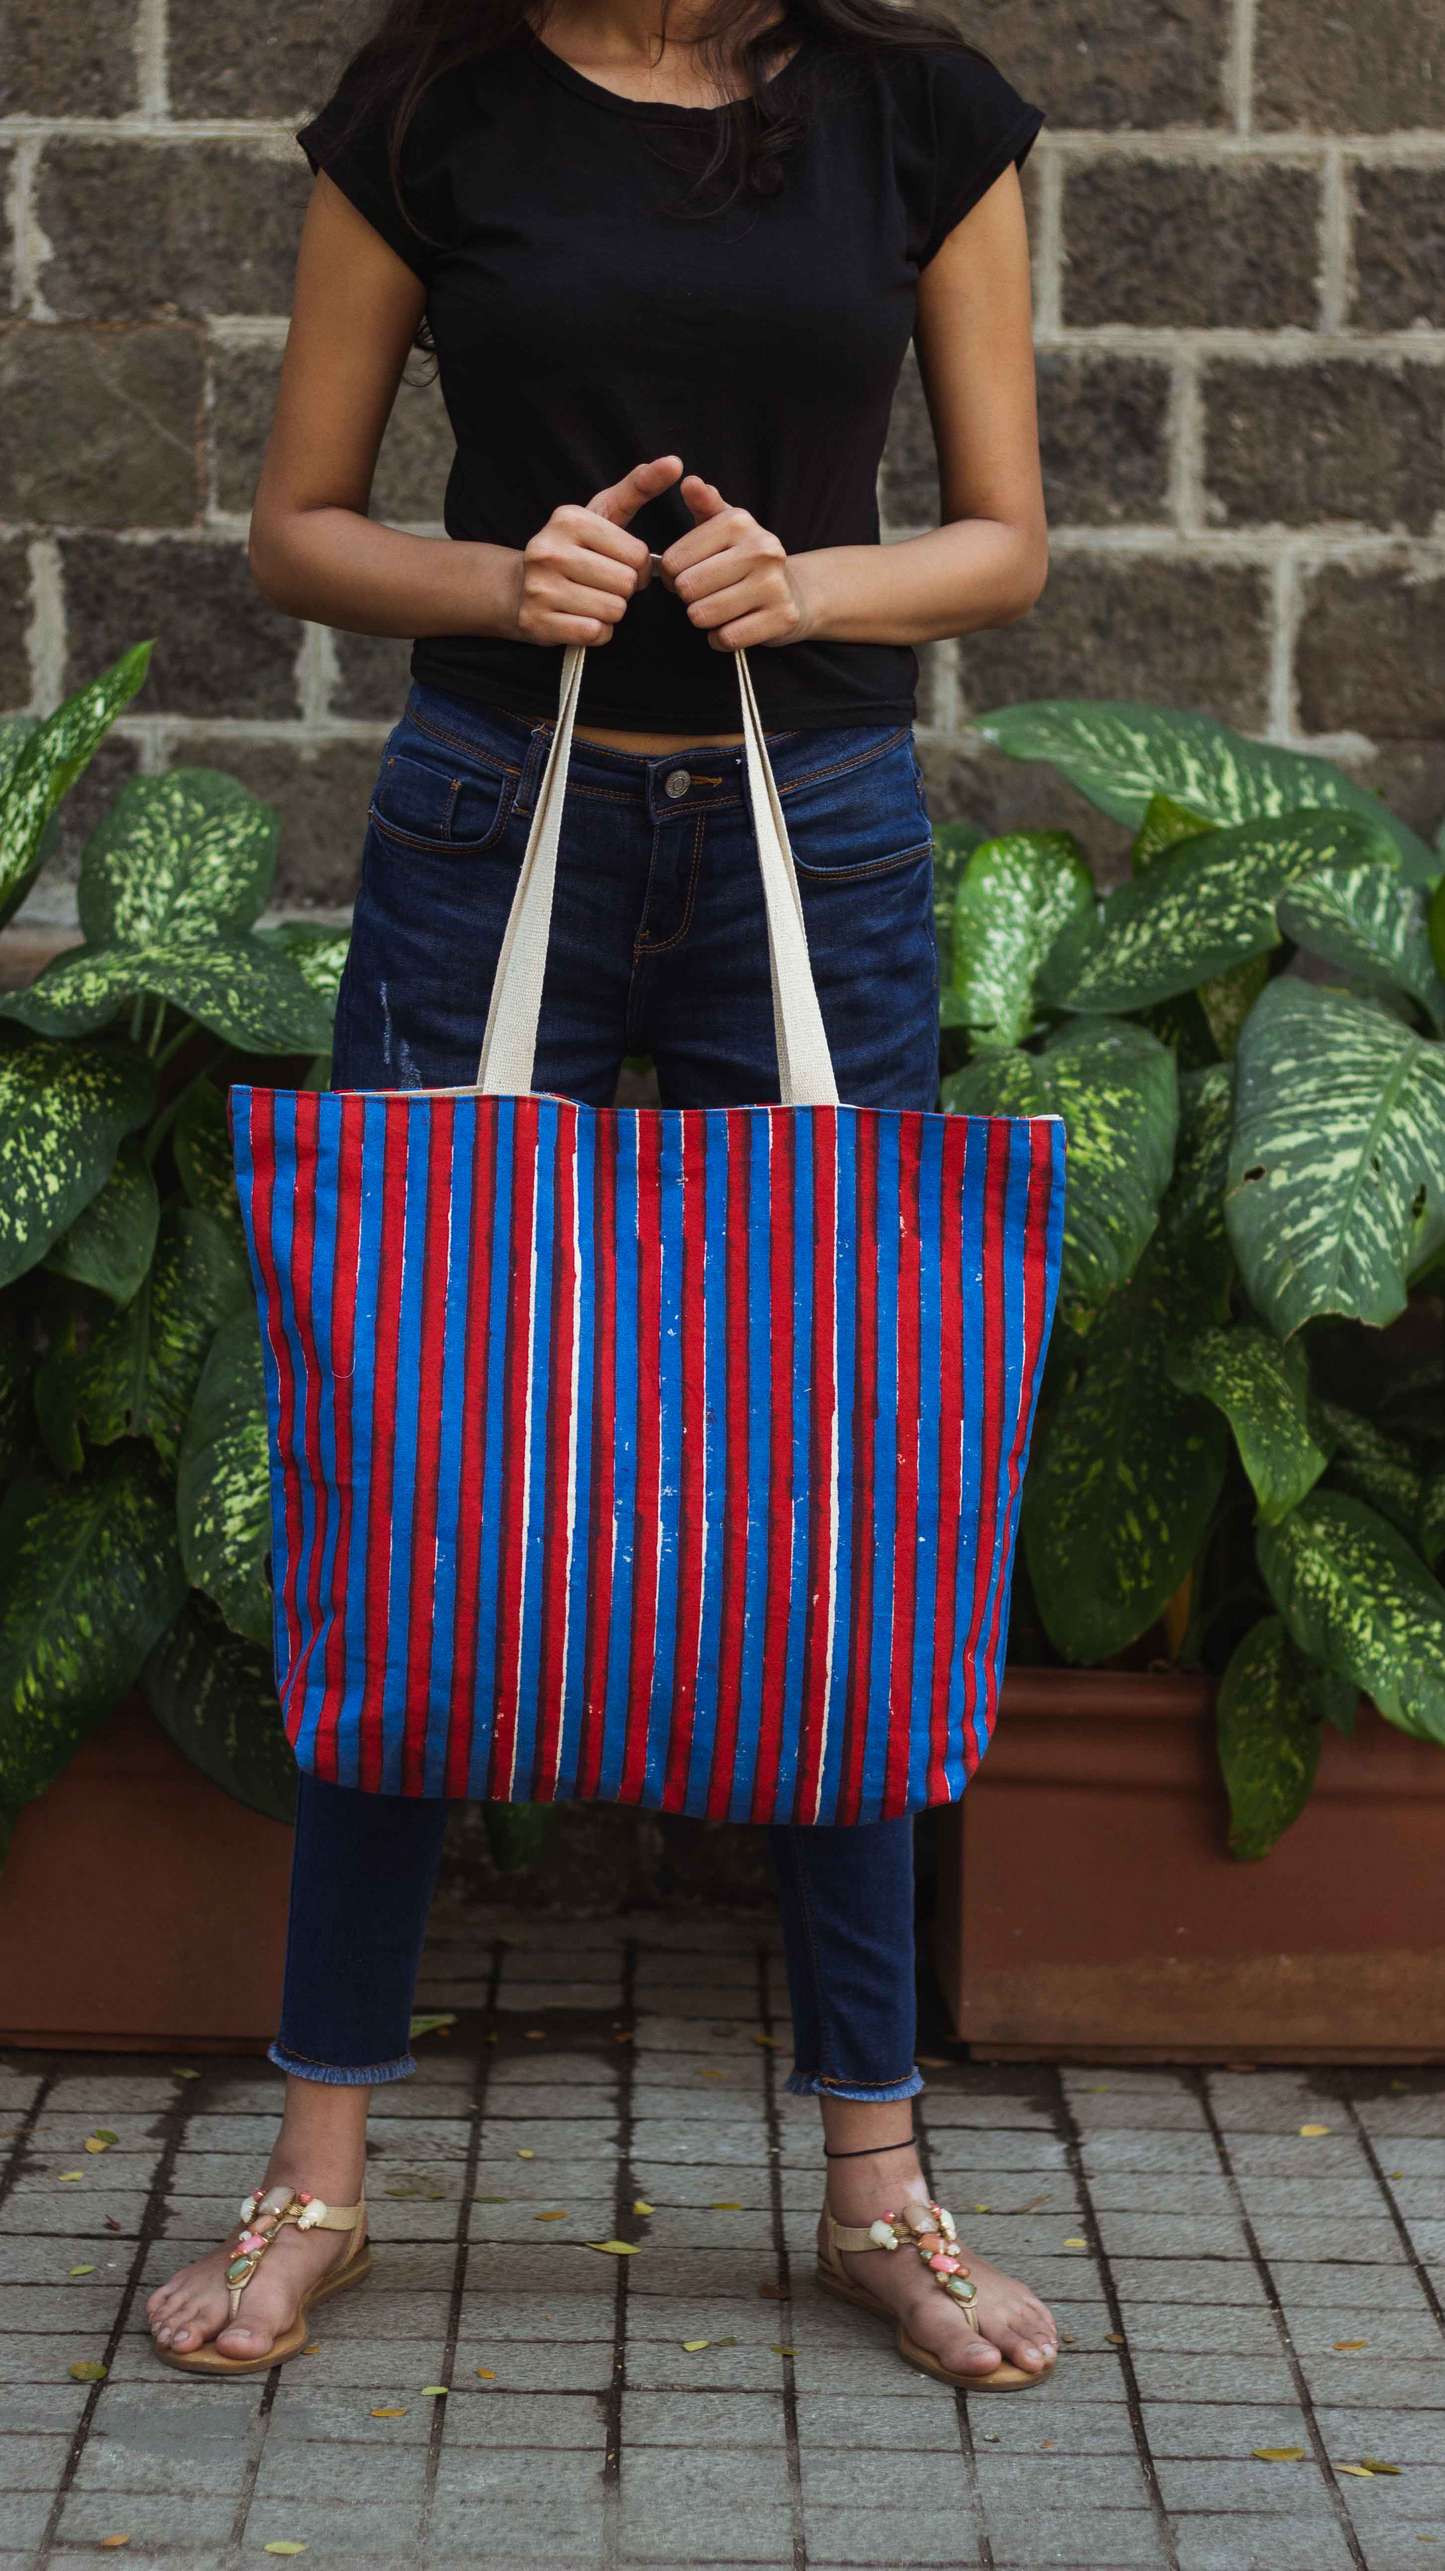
[(1013, 2327), (321, 2146)]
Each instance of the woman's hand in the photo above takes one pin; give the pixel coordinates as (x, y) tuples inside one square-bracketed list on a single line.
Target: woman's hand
[(734, 578), (576, 576)]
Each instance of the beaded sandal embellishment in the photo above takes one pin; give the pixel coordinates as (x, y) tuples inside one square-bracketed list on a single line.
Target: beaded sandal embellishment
[(931, 2231), (263, 2215)]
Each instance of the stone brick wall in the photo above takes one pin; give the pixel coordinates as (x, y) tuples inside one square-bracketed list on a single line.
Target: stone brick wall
[(1238, 212)]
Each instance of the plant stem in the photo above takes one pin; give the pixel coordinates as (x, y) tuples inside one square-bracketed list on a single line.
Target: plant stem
[(182, 1037), (160, 1019), (173, 1106), (137, 1017)]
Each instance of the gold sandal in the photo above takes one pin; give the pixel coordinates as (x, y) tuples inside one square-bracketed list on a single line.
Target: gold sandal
[(264, 2216), (930, 2229)]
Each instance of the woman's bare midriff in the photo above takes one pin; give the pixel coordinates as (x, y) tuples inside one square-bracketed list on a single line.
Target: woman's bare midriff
[(652, 745)]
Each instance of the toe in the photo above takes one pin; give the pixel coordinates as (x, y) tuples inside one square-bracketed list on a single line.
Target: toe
[(239, 2341)]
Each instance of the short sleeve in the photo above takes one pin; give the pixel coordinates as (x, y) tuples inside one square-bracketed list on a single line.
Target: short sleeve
[(980, 126), (350, 141)]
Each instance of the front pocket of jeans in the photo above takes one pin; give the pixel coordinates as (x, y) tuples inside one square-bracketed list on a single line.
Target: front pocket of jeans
[(459, 809), (869, 820)]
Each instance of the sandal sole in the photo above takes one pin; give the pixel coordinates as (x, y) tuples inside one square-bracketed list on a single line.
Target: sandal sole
[(207, 2361), (1003, 2378)]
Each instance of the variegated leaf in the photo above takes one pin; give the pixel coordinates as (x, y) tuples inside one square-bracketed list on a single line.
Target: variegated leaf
[(1014, 896), (64, 1112), (90, 1577), (177, 861), (1118, 1499), (1435, 925), (1337, 1173), (1357, 1598), (17, 1371), (1191, 1218), (319, 954), (1268, 1737), (1116, 1088), (136, 1375), (1202, 909), (201, 1142), (111, 1244), (223, 1485), (1164, 825), (1263, 1390), (46, 763), (1375, 1466), (953, 844), (1122, 755), (248, 993), (215, 1694), (1373, 926)]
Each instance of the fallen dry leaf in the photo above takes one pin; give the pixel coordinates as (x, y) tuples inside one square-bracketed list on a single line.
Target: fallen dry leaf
[(284, 2545), (1399, 2084), (101, 2139), (179, 2072), (1095, 2089), (1278, 2454), (435, 2392), (623, 2039), (640, 2206), (388, 2414), (536, 2035), (1358, 2470), (432, 2022), (777, 2351), (772, 2293), (559, 2215), (84, 2271), (980, 2209), (615, 2249), (314, 2350), (1047, 2446), (1346, 2347), (1375, 2464), (933, 2061), (491, 2200), (111, 2223), (525, 2155), (1075, 2243), (705, 2074), (87, 2370), (692, 2345), (486, 2374), (773, 2042), (1116, 2339), (1309, 2133), (724, 2343), (113, 2543), (66, 2176), (724, 2205)]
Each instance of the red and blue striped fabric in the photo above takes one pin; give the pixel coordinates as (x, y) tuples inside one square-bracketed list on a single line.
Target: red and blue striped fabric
[(669, 1457)]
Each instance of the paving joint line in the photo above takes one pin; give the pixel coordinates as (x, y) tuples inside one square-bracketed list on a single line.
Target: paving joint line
[(1074, 2150), (623, 2195), (1264, 2272), (960, 2398), (1423, 2278), (476, 2115), (772, 2124), (178, 2116), (25, 2131)]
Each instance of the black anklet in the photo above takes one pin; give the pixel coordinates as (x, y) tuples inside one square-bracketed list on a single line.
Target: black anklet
[(869, 2149)]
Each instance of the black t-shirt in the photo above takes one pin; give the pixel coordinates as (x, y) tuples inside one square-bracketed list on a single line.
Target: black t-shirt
[(586, 319)]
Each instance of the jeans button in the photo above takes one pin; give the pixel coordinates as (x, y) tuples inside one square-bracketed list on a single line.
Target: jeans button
[(676, 786)]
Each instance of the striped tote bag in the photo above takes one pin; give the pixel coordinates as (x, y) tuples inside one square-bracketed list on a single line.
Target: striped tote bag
[(658, 1456)]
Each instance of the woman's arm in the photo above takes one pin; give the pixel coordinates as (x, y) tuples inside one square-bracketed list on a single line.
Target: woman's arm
[(314, 550), (987, 563)]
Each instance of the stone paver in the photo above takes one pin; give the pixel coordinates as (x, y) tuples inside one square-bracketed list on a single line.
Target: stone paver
[(1221, 2282)]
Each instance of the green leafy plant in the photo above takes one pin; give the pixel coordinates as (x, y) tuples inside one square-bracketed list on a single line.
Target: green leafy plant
[(1240, 1457), (132, 1435)]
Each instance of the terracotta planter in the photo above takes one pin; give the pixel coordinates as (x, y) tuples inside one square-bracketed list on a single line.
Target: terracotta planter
[(1088, 1909), (141, 1909)]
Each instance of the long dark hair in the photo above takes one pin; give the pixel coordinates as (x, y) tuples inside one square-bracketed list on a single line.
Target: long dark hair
[(418, 42)]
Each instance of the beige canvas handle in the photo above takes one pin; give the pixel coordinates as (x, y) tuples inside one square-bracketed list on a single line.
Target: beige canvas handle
[(509, 1046)]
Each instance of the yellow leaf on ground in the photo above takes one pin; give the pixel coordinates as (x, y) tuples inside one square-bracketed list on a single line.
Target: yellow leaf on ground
[(87, 2370), (536, 2035), (66, 2176), (526, 2155), (1358, 2471), (101, 2139), (113, 2543), (560, 2216), (640, 2206), (314, 2350), (615, 2249), (1075, 2243), (705, 2074), (772, 2293), (282, 2545), (486, 2374), (1094, 2089), (1115, 2339), (435, 2392), (724, 2205), (980, 2209), (1375, 2464), (776, 2351), (388, 2414), (84, 2271), (692, 2345), (1346, 2347), (773, 2042), (1310, 2132), (625, 2038), (1278, 2454), (179, 2072), (933, 2061)]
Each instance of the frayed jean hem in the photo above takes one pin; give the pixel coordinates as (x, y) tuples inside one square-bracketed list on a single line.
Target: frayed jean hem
[(812, 2084), (340, 2075)]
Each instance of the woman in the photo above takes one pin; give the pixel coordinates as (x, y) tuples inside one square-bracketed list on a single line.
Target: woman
[(670, 262)]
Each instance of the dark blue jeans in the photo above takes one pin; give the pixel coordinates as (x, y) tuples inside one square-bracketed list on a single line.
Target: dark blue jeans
[(659, 946)]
